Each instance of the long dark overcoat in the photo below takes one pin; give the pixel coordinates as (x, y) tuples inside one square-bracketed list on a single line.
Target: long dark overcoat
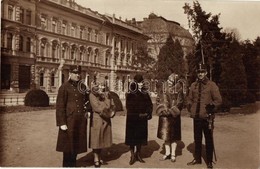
[(136, 127), (70, 111)]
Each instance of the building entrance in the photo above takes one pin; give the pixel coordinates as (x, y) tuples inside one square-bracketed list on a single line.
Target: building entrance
[(5, 76), (24, 78)]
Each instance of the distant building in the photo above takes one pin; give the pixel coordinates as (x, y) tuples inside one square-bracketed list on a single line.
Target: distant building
[(41, 39), (159, 29)]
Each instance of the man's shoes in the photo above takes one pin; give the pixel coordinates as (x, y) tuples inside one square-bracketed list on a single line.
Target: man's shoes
[(209, 165), (139, 158), (132, 160), (194, 162)]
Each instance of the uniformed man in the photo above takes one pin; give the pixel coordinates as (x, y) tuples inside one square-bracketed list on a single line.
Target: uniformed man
[(71, 118), (203, 93)]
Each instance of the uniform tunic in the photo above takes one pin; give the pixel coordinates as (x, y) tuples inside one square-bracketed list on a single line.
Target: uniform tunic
[(136, 127), (202, 92), (70, 111), (209, 95), (100, 128)]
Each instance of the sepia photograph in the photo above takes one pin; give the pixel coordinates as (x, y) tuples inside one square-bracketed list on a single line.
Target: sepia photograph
[(130, 84)]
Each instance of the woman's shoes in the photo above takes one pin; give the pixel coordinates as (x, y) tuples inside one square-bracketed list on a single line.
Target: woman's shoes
[(103, 162), (97, 164), (132, 160), (165, 157), (173, 158), (139, 158)]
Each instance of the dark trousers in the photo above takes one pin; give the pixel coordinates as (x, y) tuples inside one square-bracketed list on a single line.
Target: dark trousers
[(202, 126), (69, 159)]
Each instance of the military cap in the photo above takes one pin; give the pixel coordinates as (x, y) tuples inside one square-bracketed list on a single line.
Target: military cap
[(201, 68), (75, 69)]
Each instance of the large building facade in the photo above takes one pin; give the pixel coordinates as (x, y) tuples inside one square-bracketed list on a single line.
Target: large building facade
[(41, 39), (159, 29)]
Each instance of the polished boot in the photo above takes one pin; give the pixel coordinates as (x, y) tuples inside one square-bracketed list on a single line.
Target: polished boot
[(209, 165), (139, 158), (132, 160), (194, 162)]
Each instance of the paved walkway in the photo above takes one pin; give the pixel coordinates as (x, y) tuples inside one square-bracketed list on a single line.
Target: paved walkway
[(28, 139)]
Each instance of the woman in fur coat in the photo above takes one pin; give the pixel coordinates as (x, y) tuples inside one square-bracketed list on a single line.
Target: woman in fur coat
[(169, 105)]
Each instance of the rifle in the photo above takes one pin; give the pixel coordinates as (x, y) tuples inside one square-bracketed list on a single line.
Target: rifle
[(211, 116)]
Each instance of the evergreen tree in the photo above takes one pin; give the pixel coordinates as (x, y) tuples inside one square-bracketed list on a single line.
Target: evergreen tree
[(233, 84), (209, 40), (249, 53), (144, 61), (170, 59)]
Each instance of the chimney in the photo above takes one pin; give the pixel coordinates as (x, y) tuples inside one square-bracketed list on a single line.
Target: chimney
[(113, 18)]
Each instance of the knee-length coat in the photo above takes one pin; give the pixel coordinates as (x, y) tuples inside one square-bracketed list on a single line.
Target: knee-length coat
[(70, 111), (100, 128), (136, 126), (169, 125)]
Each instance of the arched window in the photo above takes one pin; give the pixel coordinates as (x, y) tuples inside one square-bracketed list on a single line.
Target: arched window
[(89, 54), (28, 45), (41, 79), (89, 34), (73, 52), (52, 79), (43, 46), (54, 48), (81, 32), (63, 50), (20, 43), (96, 35), (9, 40), (96, 55), (10, 12), (81, 52), (64, 28), (54, 25)]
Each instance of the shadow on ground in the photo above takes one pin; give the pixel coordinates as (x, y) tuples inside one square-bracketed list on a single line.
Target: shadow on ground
[(180, 147), (116, 151), (191, 149)]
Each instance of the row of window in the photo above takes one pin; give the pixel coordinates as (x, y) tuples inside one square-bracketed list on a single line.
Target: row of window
[(19, 14), (71, 29), (24, 43), (52, 79)]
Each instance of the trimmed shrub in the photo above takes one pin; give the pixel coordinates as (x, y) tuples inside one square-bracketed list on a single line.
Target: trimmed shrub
[(36, 98)]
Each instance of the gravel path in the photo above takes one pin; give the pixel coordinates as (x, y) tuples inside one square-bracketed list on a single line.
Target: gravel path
[(28, 139)]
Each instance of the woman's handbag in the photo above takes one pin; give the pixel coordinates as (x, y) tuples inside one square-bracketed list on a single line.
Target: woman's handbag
[(108, 112)]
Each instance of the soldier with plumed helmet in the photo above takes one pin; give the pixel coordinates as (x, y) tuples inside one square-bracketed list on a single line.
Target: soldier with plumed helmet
[(203, 93)]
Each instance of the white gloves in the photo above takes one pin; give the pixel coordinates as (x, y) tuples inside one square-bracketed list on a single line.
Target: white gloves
[(64, 127)]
